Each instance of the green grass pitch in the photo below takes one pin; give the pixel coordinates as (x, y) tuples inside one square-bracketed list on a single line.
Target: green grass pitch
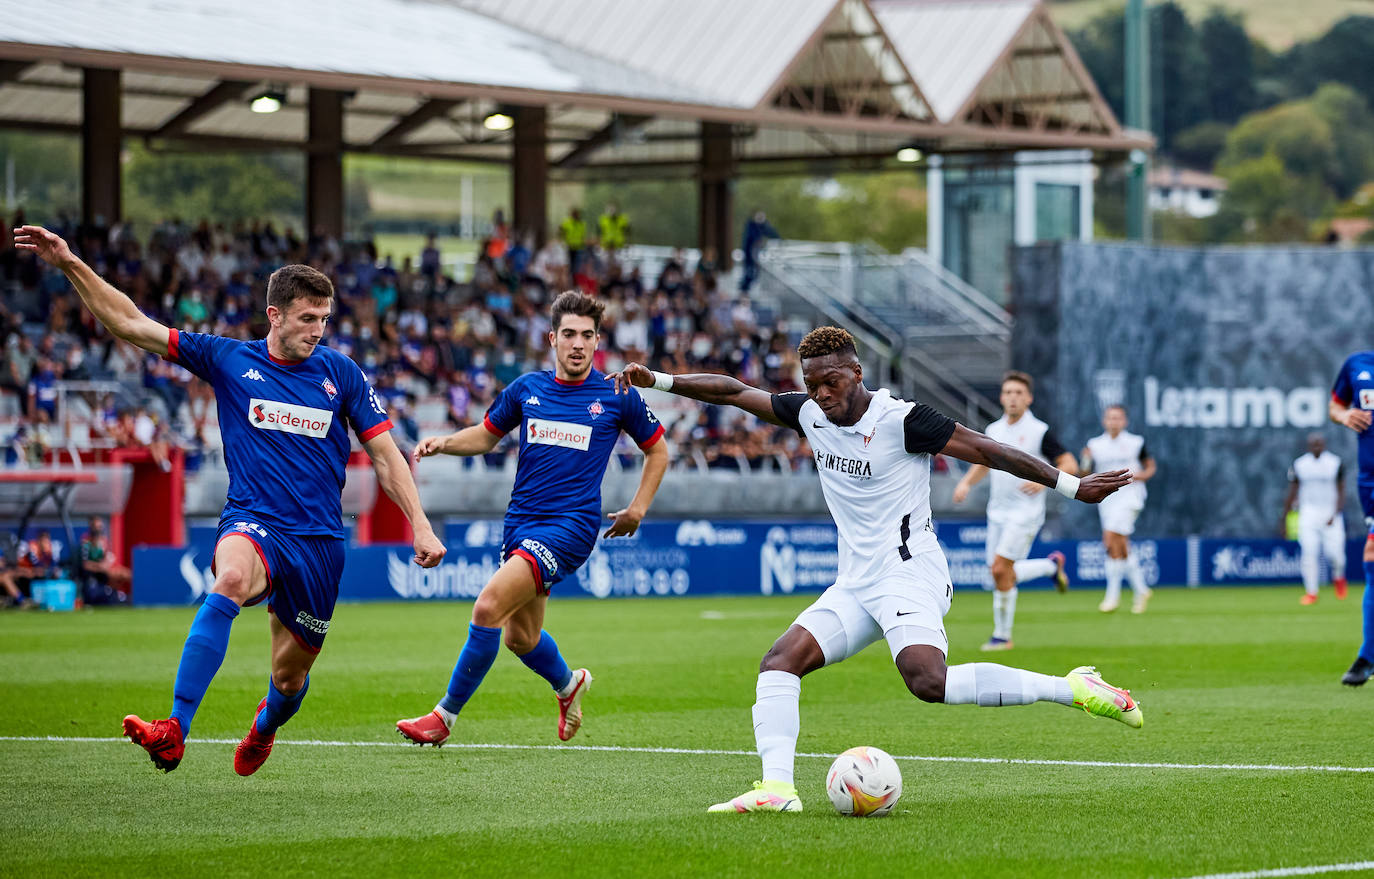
[(1225, 676)]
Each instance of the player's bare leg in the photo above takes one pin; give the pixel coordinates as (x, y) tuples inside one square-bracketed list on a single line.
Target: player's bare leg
[(993, 686), (526, 638), (1003, 603), (290, 680), (239, 578), (509, 589), (777, 723)]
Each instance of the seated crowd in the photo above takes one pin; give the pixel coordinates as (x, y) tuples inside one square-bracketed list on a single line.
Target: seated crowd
[(437, 347)]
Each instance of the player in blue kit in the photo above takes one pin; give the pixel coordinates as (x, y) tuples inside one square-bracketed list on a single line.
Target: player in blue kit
[(569, 420), (285, 409), (1352, 399)]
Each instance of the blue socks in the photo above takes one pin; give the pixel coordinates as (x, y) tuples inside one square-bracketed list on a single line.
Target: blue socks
[(279, 708), (201, 657), (1367, 650), (545, 661), (479, 652)]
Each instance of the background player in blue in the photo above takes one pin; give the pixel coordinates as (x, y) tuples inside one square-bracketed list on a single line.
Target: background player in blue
[(569, 420), (1352, 399), (285, 406)]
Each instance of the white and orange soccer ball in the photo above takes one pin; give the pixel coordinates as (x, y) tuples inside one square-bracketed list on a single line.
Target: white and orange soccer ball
[(863, 782)]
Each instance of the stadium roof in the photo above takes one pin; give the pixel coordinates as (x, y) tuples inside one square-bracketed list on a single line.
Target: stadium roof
[(626, 82)]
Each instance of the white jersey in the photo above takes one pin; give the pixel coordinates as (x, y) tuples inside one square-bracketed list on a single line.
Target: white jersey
[(1124, 452), (875, 475), (1006, 501), (1316, 478)]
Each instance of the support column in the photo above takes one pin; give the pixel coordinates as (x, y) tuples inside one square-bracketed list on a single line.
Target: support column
[(529, 174), (101, 136), (716, 194), (324, 188)]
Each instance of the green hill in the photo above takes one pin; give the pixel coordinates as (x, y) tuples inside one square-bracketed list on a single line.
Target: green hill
[(1278, 23)]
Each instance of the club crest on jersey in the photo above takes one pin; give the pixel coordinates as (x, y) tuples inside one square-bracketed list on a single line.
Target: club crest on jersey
[(596, 409), (868, 439), (329, 388)]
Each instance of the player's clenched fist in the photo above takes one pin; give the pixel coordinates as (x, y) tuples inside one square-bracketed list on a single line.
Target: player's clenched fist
[(430, 445), (632, 375), (429, 551)]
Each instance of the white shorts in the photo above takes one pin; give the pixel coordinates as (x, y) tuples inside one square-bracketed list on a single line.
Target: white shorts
[(1315, 535), (1118, 513), (1011, 539), (906, 604)]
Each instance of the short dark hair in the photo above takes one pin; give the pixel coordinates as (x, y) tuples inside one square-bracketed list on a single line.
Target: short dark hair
[(1016, 375), (823, 341), (1121, 406), (293, 282), (573, 302)]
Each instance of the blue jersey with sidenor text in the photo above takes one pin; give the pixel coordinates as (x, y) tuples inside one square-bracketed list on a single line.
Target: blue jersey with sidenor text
[(285, 427), (1354, 386), (567, 433)]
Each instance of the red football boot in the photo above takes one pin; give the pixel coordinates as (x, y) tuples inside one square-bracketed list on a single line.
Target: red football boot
[(570, 709), (427, 730), (255, 748), (162, 739), (1341, 588)]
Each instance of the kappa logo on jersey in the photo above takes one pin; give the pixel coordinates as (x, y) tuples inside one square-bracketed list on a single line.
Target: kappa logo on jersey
[(532, 401), (596, 409), (558, 433), (289, 418), (250, 528), (329, 388), (542, 553), (1363, 376), (253, 375)]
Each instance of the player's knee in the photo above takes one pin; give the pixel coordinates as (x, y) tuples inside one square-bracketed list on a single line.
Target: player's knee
[(925, 683), (780, 659), (233, 584), (289, 682), (487, 611), (1002, 567), (519, 643)]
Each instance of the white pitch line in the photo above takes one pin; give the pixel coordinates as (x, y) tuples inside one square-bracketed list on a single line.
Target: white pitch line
[(1293, 871), (708, 752)]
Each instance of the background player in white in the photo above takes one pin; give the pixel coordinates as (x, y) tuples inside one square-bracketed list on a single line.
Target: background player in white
[(1016, 505), (1119, 449), (873, 455), (1316, 482)]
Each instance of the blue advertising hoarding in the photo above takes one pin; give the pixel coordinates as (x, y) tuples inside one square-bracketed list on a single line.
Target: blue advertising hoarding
[(712, 557)]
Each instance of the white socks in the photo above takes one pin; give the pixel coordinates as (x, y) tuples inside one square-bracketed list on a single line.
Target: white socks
[(1116, 570), (1308, 563), (1133, 573), (1003, 612), (448, 717), (1030, 569), (777, 723), (990, 686)]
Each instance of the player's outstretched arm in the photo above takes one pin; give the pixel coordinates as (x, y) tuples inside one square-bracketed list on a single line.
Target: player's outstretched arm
[(1288, 502), (719, 390), (626, 522), (393, 475), (976, 474), (1350, 416), (475, 440), (111, 307), (977, 448)]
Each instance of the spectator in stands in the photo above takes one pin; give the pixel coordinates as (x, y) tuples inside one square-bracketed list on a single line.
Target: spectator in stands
[(756, 233), (613, 228), (429, 257), (103, 579), (573, 231), (14, 597), (38, 560)]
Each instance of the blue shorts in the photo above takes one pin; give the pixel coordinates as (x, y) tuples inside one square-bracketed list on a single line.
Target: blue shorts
[(553, 549), (303, 572), (1366, 491)]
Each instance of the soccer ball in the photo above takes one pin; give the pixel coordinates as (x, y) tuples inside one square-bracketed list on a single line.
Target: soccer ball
[(864, 781)]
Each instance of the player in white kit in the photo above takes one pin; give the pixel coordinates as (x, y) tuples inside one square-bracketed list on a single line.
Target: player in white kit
[(1119, 449), (1016, 506), (1316, 481), (873, 454)]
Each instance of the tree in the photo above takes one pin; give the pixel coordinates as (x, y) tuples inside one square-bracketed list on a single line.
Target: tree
[(1199, 146), (1177, 66), (1230, 60), (1101, 45), (222, 187), (1264, 202), (1342, 54), (1352, 160), (47, 175)]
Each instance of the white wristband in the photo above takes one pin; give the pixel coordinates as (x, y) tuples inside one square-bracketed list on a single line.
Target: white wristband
[(1067, 485), (662, 381)]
